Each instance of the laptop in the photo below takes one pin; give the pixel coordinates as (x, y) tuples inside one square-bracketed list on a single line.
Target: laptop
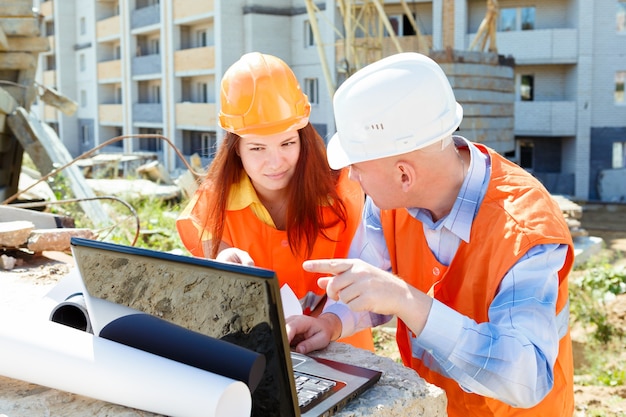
[(232, 303)]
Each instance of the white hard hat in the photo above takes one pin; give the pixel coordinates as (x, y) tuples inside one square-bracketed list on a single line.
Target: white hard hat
[(393, 106)]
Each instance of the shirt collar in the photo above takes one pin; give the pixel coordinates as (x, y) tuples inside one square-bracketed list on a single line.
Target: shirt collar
[(459, 220), (243, 195)]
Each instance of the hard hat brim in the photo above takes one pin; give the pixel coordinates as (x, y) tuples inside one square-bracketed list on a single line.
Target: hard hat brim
[(336, 155)]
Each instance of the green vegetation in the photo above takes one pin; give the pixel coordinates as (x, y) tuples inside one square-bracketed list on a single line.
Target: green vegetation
[(137, 221), (592, 287)]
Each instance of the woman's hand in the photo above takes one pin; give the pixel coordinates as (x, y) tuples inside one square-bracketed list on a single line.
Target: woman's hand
[(236, 256)]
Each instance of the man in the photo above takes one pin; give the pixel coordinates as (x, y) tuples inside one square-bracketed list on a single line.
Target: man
[(479, 253)]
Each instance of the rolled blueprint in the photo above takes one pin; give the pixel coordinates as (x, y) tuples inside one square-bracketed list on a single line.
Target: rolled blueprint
[(154, 335), (158, 336), (72, 312), (60, 357)]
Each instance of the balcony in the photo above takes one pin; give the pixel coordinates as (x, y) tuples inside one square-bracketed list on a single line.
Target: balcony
[(45, 8), (194, 59), (108, 28), (148, 112), (145, 16), (110, 114), (51, 42), (146, 65), (548, 46), (545, 118), (110, 70), (184, 9), (196, 115)]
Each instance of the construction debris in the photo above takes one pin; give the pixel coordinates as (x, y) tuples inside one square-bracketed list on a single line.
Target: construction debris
[(20, 45), (22, 234), (15, 234), (39, 219), (573, 214)]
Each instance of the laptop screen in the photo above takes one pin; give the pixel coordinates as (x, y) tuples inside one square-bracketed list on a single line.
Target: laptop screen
[(231, 302)]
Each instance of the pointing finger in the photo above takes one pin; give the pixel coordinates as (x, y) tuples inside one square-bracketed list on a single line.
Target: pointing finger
[(328, 266)]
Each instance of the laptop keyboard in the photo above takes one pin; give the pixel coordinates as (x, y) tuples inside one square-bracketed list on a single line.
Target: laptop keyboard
[(310, 388)]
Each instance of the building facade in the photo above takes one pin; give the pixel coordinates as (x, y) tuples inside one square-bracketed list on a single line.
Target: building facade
[(154, 67)]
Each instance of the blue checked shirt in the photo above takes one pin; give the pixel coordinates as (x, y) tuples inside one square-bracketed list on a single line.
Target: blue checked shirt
[(510, 357)]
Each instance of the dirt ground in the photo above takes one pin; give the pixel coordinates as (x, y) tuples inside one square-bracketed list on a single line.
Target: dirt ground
[(610, 225)]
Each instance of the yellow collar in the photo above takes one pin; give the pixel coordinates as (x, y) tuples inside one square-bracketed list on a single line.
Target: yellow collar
[(243, 195)]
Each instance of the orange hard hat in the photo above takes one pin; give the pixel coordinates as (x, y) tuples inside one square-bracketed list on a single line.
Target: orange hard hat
[(260, 95)]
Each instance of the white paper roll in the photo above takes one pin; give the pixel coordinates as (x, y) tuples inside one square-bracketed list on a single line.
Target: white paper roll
[(60, 357)]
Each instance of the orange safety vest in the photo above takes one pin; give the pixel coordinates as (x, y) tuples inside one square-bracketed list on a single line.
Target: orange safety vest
[(516, 214), (269, 247)]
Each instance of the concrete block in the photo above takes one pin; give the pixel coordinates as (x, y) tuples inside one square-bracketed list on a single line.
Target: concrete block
[(15, 233), (55, 239)]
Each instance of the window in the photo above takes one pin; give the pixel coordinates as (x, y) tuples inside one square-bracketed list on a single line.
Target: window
[(311, 88), (81, 60), (202, 143), (620, 78), (151, 144), (203, 93), (526, 87), (83, 26), (507, 20), (118, 95), (401, 25), (118, 132), (527, 18), (85, 134), (83, 98), (619, 155), (154, 46), (621, 17), (519, 18), (201, 38), (117, 51), (526, 155), (309, 38), (49, 28), (208, 145), (51, 62), (155, 94)]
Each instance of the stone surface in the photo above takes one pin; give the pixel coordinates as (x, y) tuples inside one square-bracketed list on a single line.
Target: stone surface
[(400, 391)]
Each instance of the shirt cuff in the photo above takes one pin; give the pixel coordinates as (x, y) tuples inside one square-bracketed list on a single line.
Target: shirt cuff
[(442, 330), (347, 317)]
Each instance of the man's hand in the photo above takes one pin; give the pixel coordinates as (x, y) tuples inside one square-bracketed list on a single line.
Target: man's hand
[(363, 287), (306, 333), (359, 285)]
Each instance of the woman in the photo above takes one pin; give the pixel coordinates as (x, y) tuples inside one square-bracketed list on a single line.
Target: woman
[(270, 199)]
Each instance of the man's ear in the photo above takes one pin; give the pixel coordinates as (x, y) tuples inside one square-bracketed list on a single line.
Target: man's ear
[(407, 173)]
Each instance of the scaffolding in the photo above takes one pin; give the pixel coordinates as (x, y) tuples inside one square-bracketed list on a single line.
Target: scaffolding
[(360, 41)]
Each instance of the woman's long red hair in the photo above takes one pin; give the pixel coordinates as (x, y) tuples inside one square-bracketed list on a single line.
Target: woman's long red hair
[(312, 187)]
